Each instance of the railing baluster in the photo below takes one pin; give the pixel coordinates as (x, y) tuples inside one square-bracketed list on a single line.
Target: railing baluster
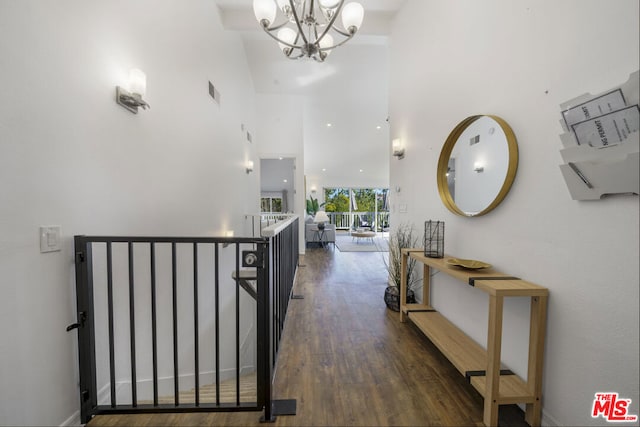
[(174, 274), (281, 286), (195, 323), (85, 305), (274, 288), (264, 326), (112, 359), (154, 336), (132, 328), (217, 315), (237, 279), (274, 299)]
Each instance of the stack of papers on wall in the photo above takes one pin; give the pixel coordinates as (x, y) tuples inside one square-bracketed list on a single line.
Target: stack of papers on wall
[(602, 142)]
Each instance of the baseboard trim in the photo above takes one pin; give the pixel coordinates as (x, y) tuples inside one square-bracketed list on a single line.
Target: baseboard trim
[(548, 420), (73, 420)]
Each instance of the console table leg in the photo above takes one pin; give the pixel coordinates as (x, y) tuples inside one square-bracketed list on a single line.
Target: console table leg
[(537, 326), (494, 343), (426, 284)]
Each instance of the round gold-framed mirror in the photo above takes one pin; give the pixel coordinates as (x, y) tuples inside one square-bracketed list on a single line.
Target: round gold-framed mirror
[(477, 165)]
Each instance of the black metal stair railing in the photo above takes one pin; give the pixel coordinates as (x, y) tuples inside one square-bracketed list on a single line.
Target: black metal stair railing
[(155, 312)]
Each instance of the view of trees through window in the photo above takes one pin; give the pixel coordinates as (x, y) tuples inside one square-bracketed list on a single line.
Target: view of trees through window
[(270, 204), (357, 207)]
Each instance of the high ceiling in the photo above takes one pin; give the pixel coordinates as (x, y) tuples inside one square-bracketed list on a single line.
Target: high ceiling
[(349, 90)]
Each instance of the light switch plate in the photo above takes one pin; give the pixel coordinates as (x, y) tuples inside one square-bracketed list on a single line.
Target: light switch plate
[(50, 239)]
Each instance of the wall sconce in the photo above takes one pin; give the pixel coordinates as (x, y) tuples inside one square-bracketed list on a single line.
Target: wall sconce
[(132, 99), (314, 189), (478, 167), (249, 166), (397, 148), (228, 233)]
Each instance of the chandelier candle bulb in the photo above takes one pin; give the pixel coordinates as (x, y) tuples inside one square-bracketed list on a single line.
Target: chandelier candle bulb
[(288, 37), (352, 17), (329, 4), (265, 11), (325, 43)]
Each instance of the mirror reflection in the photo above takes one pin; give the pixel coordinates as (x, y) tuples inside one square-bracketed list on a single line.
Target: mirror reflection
[(477, 165)]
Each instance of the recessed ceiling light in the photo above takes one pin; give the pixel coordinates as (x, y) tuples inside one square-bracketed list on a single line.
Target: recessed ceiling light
[(284, 180), (324, 170), (280, 158), (329, 125), (361, 170), (378, 127)]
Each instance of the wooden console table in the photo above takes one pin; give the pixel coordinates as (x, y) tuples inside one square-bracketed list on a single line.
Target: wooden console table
[(482, 367)]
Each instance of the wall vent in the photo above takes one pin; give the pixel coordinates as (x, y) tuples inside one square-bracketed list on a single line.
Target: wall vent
[(474, 140), (214, 93)]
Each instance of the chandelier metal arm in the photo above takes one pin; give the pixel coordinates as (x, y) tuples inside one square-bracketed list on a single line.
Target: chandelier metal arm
[(298, 24), (268, 31), (332, 21), (348, 35), (312, 8), (292, 46), (275, 27)]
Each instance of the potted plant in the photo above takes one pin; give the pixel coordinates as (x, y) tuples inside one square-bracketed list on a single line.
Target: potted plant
[(312, 206), (402, 236)]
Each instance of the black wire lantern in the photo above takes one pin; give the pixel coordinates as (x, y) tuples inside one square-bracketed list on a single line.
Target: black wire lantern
[(434, 239)]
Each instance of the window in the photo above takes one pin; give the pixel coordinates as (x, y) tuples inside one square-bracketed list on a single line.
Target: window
[(270, 204), (351, 208)]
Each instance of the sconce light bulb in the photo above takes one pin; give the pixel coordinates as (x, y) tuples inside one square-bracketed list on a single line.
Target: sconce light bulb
[(137, 82), (131, 97), (397, 148)]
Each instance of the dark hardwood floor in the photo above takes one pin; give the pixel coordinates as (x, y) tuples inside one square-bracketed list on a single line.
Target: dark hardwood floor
[(348, 360)]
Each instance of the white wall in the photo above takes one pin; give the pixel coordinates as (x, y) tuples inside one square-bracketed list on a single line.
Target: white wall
[(359, 152), (273, 173), (279, 130), (354, 151), (70, 156), (519, 60)]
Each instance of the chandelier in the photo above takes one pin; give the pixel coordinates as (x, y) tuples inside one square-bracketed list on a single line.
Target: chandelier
[(305, 31)]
